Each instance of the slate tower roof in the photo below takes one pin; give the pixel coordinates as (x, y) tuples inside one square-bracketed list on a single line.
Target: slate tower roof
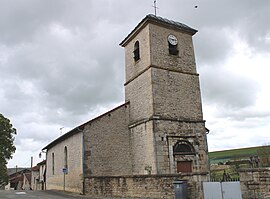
[(161, 21)]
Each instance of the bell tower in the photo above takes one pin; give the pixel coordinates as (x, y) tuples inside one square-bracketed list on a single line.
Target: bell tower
[(168, 134)]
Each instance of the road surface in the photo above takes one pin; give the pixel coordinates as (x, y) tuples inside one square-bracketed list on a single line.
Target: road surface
[(38, 195)]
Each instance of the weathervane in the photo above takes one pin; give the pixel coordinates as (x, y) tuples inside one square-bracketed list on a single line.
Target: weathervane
[(155, 6)]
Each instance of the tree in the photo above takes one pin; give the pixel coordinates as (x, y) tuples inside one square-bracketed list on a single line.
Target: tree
[(7, 148)]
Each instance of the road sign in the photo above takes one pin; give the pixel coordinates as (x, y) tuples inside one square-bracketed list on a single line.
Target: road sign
[(65, 170)]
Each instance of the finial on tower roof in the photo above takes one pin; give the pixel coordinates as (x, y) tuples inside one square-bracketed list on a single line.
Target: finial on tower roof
[(155, 7)]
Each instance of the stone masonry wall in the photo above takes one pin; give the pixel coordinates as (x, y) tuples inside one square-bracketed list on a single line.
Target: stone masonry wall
[(139, 94), (143, 151), (133, 68), (73, 180), (107, 144), (176, 95), (255, 183), (168, 133), (138, 87), (184, 62), (171, 84), (145, 186)]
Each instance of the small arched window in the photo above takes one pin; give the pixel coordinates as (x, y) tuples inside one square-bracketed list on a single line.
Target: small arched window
[(65, 157), (183, 148), (136, 52)]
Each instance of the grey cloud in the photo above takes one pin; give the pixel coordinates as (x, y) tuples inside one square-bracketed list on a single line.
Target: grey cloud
[(247, 116), (217, 42), (248, 18), (227, 89), (255, 31), (20, 20), (72, 75), (61, 64)]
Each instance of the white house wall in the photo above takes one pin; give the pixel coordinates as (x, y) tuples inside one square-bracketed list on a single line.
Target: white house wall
[(73, 179)]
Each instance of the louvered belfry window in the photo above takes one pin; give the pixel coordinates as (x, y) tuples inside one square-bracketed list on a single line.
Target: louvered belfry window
[(136, 51)]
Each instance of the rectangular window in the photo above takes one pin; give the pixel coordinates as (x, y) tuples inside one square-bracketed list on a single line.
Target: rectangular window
[(184, 166), (173, 49)]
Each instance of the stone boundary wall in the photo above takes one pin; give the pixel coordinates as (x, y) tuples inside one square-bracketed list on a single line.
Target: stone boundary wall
[(255, 183), (141, 186)]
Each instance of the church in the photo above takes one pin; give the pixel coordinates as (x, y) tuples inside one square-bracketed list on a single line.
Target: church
[(156, 138)]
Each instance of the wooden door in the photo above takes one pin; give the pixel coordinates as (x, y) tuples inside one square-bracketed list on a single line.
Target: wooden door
[(184, 166)]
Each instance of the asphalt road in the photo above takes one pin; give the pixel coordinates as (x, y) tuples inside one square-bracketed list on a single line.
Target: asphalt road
[(38, 195)]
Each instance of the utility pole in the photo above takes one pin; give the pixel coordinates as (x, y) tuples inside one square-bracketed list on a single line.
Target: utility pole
[(31, 171), (31, 162)]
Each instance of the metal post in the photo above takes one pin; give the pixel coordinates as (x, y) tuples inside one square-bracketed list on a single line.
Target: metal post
[(31, 171), (64, 180)]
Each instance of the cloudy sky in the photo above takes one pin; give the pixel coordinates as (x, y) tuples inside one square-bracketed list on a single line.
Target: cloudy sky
[(61, 65)]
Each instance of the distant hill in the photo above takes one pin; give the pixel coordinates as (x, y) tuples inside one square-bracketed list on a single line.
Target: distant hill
[(216, 157)]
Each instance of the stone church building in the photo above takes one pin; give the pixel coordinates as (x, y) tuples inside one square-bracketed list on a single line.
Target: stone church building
[(158, 136)]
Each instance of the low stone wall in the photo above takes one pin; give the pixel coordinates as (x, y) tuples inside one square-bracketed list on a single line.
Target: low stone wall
[(255, 183), (143, 186)]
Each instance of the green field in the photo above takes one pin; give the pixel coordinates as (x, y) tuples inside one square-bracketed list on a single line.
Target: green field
[(236, 159), (233, 154)]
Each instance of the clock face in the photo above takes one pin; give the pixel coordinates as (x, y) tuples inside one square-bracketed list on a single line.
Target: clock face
[(172, 40)]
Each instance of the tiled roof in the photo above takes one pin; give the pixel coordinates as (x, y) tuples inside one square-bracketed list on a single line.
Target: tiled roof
[(35, 168), (43, 162), (161, 21), (174, 23), (16, 178)]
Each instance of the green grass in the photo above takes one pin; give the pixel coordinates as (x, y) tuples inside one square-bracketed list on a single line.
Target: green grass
[(237, 158), (233, 154), (218, 174)]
